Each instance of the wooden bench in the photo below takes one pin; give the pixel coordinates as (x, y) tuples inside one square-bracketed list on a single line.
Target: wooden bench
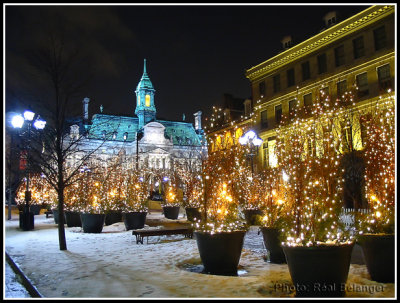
[(141, 233), (49, 213)]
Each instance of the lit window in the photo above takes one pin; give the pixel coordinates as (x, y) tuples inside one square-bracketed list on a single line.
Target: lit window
[(138, 100), (147, 100)]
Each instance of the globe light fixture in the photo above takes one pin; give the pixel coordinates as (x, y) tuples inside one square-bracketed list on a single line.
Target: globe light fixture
[(39, 124), (17, 121), (253, 142), (26, 216), (29, 115)]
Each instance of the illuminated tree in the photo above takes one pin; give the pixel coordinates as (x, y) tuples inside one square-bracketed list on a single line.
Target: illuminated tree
[(379, 156), (308, 156), (222, 192), (134, 191)]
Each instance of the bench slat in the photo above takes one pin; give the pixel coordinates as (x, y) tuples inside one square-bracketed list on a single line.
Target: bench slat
[(140, 234)]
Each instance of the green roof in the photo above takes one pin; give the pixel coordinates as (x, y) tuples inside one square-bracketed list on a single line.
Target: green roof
[(113, 128)]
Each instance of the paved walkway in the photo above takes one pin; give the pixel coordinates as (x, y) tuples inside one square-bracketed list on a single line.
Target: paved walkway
[(15, 289)]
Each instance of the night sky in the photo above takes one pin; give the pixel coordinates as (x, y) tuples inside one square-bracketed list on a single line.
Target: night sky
[(195, 53)]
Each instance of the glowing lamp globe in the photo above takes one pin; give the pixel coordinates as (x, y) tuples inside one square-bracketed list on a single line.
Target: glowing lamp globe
[(29, 115), (17, 121), (39, 124), (257, 141)]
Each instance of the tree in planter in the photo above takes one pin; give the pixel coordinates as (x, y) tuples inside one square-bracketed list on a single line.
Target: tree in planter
[(377, 228), (41, 193), (220, 233), (135, 196), (308, 154), (192, 191), (275, 207), (134, 192), (173, 196), (221, 189)]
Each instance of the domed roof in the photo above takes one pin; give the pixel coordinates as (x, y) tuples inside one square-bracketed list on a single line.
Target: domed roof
[(144, 82)]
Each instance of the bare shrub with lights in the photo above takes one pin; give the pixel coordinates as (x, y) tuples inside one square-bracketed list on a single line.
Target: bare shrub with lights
[(223, 191), (193, 187), (273, 199), (41, 192), (379, 156), (173, 194), (308, 146)]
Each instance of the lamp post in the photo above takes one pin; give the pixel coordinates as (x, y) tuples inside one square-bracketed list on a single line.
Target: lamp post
[(253, 142), (26, 217)]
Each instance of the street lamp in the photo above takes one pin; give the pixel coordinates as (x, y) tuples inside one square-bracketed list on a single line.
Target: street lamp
[(26, 217), (253, 142)]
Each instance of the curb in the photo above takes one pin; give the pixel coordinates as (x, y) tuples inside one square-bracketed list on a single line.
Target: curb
[(32, 290)]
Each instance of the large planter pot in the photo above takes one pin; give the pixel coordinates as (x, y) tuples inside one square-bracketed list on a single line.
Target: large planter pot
[(273, 245), (56, 214), (220, 252), (113, 217), (251, 215), (92, 223), (378, 253), (35, 209), (319, 271), (193, 213), (73, 219), (134, 220), (171, 212)]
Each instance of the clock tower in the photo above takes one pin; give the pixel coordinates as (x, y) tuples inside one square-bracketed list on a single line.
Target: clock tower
[(145, 108)]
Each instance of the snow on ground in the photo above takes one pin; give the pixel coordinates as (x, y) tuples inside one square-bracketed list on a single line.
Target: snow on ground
[(112, 265)]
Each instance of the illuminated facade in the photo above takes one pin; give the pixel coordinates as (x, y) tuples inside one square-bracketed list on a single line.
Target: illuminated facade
[(356, 54), (143, 140)]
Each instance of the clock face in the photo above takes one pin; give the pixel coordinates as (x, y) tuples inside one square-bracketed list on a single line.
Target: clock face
[(147, 100)]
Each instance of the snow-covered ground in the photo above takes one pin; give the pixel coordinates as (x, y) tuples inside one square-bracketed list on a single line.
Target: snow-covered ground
[(112, 265)]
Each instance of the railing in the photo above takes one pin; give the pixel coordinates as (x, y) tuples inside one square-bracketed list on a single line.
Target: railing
[(348, 217)]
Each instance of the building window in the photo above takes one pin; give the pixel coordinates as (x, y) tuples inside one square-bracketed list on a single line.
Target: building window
[(339, 55), (277, 83), (114, 135), (147, 100), (384, 77), (305, 68), (278, 114), (308, 102), (125, 136), (341, 88), (362, 85), (272, 157), (380, 38), (261, 89), (292, 107), (103, 134), (264, 119), (322, 66), (265, 154), (290, 77), (358, 47)]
